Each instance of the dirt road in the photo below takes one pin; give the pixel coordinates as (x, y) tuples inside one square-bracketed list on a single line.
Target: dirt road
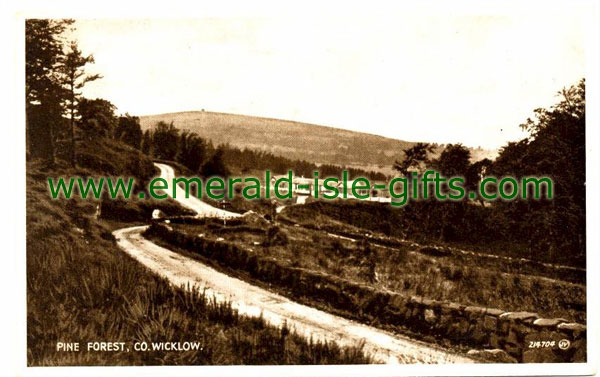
[(193, 203), (275, 309)]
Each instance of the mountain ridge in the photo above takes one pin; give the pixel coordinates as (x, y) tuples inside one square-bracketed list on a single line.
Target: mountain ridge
[(292, 139)]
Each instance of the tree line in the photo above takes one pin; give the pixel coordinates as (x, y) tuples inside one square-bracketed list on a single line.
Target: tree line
[(555, 147)]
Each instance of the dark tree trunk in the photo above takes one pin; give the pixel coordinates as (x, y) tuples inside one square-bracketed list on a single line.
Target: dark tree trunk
[(73, 164)]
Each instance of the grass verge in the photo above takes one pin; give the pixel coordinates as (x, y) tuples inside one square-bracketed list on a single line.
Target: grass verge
[(81, 288)]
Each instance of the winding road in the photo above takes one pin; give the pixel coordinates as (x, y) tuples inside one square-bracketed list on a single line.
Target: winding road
[(202, 209), (275, 309)]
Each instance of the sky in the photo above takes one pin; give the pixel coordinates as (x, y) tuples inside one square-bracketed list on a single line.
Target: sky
[(417, 77)]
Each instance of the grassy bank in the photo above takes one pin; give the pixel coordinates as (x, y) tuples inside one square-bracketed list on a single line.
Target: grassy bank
[(81, 287)]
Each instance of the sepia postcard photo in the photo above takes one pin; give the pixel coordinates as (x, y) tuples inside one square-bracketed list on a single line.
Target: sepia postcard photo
[(368, 189)]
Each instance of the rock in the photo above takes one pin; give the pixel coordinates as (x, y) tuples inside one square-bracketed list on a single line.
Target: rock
[(519, 316), (458, 329), (450, 307), (523, 329), (490, 323), (573, 330), (158, 214), (494, 340), (512, 337), (572, 327), (514, 350), (474, 311), (429, 316), (397, 301), (494, 312), (445, 321), (463, 327), (503, 326), (548, 322), (428, 302), (478, 334), (493, 355)]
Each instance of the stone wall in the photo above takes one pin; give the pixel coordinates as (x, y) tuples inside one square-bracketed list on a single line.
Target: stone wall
[(523, 336), (495, 334)]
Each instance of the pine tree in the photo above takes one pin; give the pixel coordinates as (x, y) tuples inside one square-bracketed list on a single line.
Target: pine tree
[(44, 93), (73, 78)]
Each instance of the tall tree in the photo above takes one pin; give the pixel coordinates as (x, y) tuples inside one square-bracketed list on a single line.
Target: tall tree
[(43, 91), (415, 158), (555, 148), (453, 161), (73, 78), (192, 150), (165, 141)]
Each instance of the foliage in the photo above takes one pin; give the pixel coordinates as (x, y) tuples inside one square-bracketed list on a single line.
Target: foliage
[(215, 166), (128, 130), (43, 90), (97, 117), (72, 77), (415, 158), (552, 229), (192, 150), (248, 160), (146, 146), (453, 161), (554, 148), (165, 139)]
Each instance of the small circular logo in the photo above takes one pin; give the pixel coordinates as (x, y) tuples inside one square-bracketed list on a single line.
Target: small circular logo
[(563, 344)]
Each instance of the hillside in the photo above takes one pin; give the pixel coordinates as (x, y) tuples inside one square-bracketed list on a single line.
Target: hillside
[(295, 140), (82, 287)]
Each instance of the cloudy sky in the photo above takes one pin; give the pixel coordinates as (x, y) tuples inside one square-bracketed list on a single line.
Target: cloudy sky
[(418, 77)]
